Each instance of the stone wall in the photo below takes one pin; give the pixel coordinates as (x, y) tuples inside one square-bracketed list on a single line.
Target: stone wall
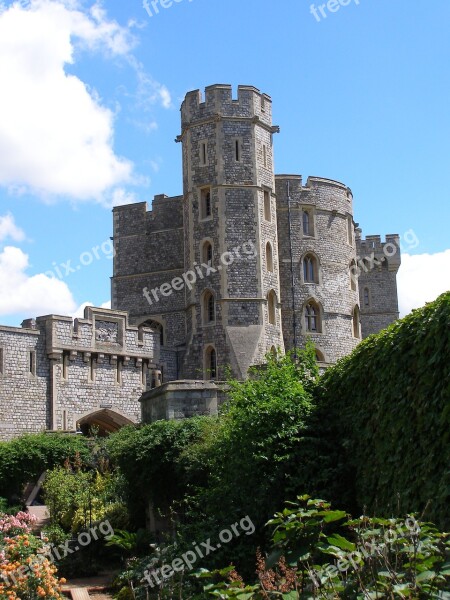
[(56, 373), (331, 244), (24, 389), (378, 265)]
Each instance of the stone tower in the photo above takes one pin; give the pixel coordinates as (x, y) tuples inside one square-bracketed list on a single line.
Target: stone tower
[(319, 285), (378, 264), (233, 312)]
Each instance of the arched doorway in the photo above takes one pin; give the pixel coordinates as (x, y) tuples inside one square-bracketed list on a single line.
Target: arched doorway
[(103, 422)]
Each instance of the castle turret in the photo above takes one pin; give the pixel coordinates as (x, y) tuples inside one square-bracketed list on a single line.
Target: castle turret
[(233, 308), (319, 285), (378, 265)]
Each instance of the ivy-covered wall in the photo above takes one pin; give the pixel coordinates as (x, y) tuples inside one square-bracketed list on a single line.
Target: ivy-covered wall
[(384, 418)]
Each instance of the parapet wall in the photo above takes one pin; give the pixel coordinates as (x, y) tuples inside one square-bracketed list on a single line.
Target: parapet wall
[(54, 371), (388, 251), (219, 101)]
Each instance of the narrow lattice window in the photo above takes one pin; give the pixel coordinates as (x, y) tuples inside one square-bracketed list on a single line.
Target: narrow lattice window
[(267, 211), (356, 326), (32, 362), (203, 154), (206, 204), (306, 223), (269, 257), (271, 306), (209, 308), (211, 363)]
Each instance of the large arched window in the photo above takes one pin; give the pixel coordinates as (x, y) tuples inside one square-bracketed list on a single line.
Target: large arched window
[(211, 363), (310, 269), (269, 257), (356, 324), (207, 253), (209, 307), (313, 322), (271, 307)]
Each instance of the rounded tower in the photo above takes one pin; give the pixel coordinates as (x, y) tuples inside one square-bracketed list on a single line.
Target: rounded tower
[(318, 269), (231, 246)]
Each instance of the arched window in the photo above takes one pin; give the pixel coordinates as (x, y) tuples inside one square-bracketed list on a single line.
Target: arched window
[(156, 326), (356, 325), (267, 208), (310, 269), (269, 257), (207, 253), (353, 275), (211, 363), (271, 307), (206, 204), (366, 297), (209, 308), (306, 223), (312, 318)]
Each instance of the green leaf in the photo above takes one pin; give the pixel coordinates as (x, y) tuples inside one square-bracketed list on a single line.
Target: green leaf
[(341, 542)]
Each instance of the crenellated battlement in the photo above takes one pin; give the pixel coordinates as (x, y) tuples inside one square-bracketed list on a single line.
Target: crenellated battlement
[(218, 102), (313, 182), (388, 251)]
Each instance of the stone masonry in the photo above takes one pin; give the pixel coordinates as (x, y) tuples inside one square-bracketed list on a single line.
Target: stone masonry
[(310, 276), (60, 375), (244, 262)]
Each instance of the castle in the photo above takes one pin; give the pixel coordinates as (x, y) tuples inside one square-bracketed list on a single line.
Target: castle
[(244, 262)]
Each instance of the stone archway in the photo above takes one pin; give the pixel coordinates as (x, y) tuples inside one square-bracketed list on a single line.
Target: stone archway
[(104, 420)]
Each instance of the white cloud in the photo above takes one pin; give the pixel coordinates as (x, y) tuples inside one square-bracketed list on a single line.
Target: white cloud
[(35, 295), (8, 229), (56, 137), (422, 278), (79, 313), (120, 196)]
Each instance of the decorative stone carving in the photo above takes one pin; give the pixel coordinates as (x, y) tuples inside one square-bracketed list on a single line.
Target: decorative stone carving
[(106, 332)]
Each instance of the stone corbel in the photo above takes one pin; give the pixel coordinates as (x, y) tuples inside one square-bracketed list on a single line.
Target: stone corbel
[(87, 357), (113, 359), (126, 360), (138, 362), (73, 355)]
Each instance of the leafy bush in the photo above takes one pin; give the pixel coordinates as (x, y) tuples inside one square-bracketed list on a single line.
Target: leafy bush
[(24, 459), (372, 558), (77, 498)]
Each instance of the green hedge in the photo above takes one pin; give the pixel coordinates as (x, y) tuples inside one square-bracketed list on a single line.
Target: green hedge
[(24, 459), (384, 418)]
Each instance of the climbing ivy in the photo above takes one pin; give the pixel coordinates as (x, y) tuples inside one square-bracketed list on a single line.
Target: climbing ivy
[(383, 418)]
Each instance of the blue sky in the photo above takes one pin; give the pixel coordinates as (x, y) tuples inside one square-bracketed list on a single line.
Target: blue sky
[(89, 110)]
